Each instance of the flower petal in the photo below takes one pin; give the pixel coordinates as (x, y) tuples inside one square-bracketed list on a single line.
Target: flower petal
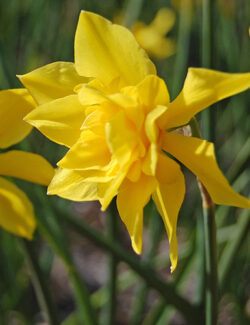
[(198, 155), (152, 91), (121, 137), (163, 21), (106, 51), (203, 88), (89, 152), (16, 211), (71, 185), (26, 165), (14, 105), (59, 120), (168, 198), (131, 199), (52, 81)]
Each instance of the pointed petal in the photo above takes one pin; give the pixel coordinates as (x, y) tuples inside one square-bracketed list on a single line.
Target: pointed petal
[(71, 185), (16, 211), (26, 165), (198, 155), (168, 198), (131, 199), (106, 51), (52, 81), (89, 152), (152, 91), (14, 105), (59, 120), (201, 89)]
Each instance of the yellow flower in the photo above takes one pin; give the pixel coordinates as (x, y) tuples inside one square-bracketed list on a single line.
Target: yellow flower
[(118, 127), (152, 37), (16, 210)]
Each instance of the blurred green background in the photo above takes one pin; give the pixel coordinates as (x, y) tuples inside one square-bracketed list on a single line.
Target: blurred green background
[(37, 32)]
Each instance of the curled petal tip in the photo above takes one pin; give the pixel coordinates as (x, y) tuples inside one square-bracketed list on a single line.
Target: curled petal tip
[(19, 76)]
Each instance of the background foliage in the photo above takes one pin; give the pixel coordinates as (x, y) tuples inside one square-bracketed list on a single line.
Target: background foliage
[(34, 33)]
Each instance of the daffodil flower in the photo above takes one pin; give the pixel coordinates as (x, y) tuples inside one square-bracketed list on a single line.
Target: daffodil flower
[(115, 116), (152, 37), (16, 210)]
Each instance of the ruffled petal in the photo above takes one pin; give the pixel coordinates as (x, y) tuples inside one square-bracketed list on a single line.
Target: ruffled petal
[(131, 199), (16, 211), (168, 198), (152, 131), (106, 51), (52, 81), (152, 91), (201, 89), (14, 105), (121, 137), (198, 155), (59, 120), (89, 152), (71, 185), (26, 165)]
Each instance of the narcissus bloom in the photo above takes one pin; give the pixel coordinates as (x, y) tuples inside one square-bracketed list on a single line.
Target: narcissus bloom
[(152, 37), (115, 116), (16, 210)]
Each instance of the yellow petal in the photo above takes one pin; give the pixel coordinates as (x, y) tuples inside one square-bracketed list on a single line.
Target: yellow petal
[(59, 120), (198, 155), (155, 44), (14, 105), (163, 21), (89, 152), (52, 81), (16, 211), (168, 198), (152, 131), (26, 165), (201, 89), (167, 169), (70, 185), (131, 199), (108, 190), (152, 91), (106, 51), (121, 137)]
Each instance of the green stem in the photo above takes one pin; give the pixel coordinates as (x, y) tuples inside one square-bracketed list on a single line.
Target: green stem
[(133, 9), (113, 263), (211, 294), (182, 52), (167, 291), (211, 282), (207, 62), (40, 284)]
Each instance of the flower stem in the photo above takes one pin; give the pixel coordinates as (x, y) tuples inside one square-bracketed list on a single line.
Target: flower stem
[(113, 263), (182, 53), (207, 62), (211, 282), (40, 284)]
